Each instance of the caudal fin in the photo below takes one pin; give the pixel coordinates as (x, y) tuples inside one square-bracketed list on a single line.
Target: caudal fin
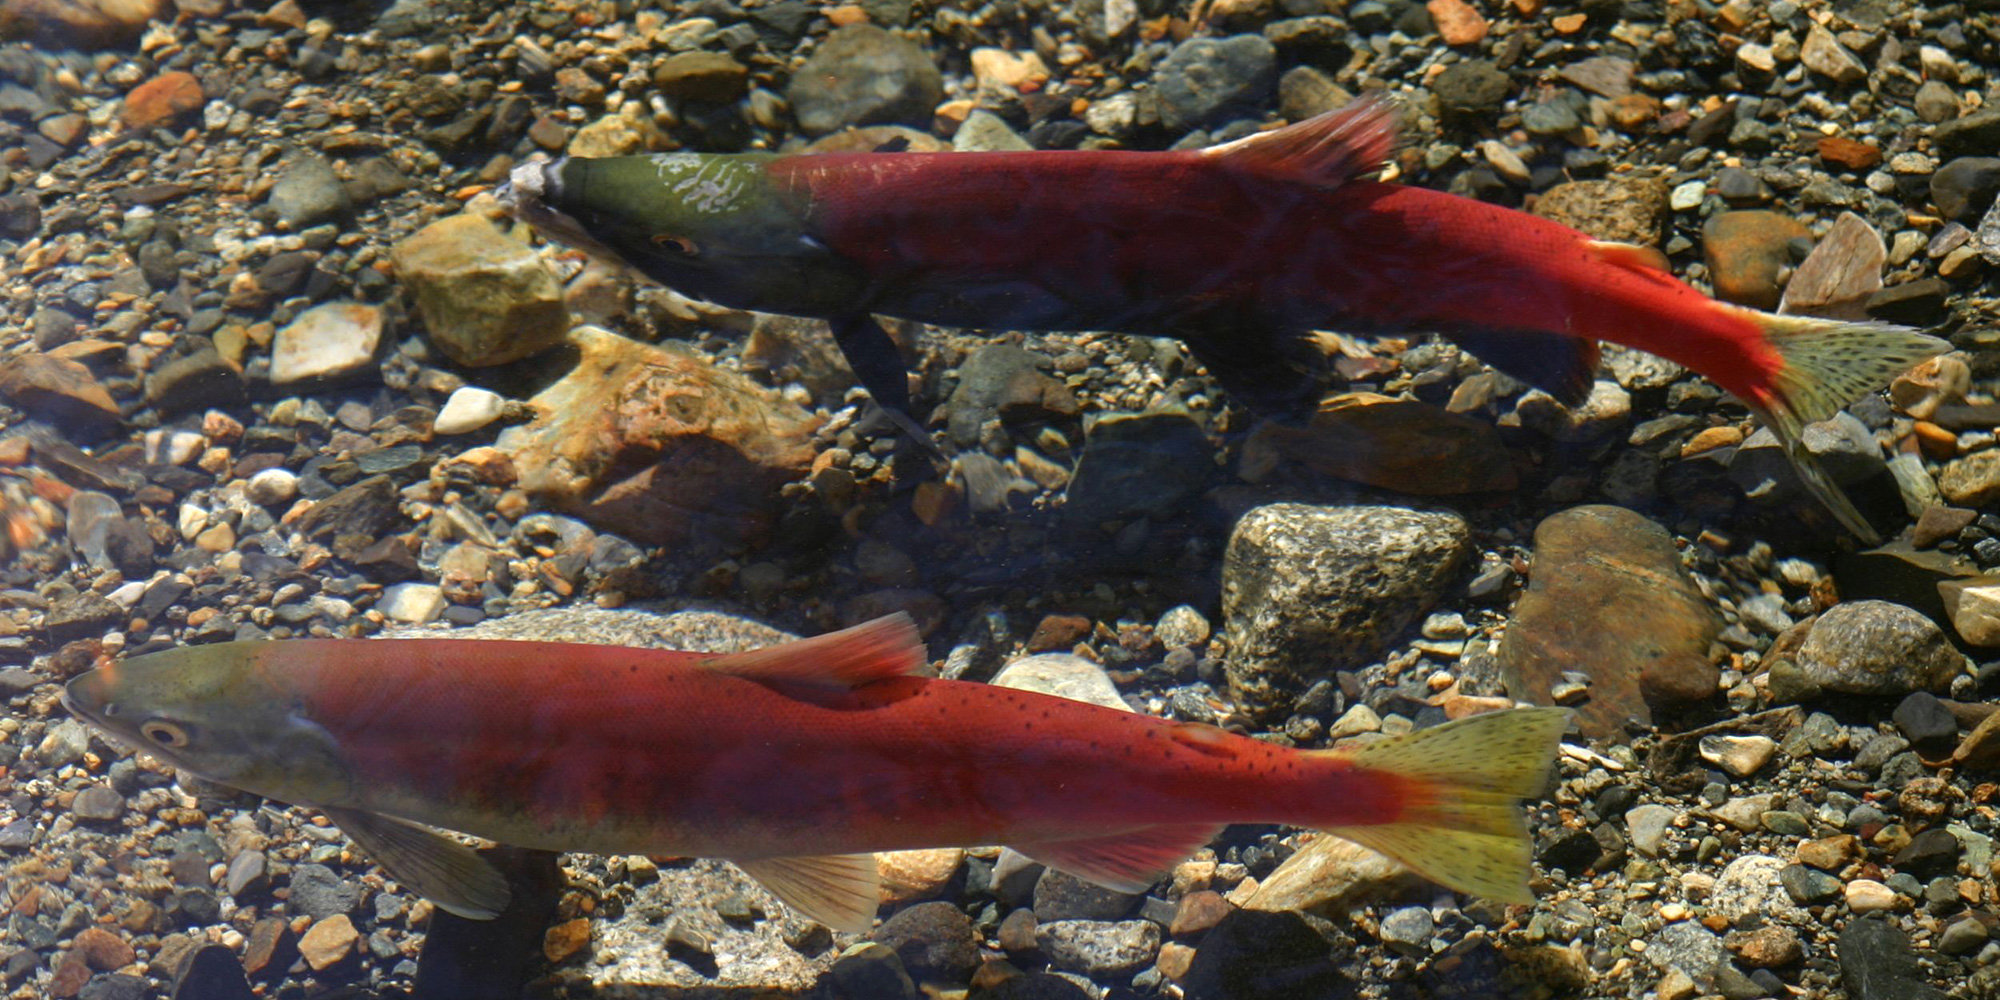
[(1828, 364), (1461, 823)]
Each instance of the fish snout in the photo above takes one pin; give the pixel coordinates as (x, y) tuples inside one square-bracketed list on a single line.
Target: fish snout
[(88, 695), (527, 184)]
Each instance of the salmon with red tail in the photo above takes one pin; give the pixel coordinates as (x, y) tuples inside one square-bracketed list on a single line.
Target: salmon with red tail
[(794, 761), (1240, 251)]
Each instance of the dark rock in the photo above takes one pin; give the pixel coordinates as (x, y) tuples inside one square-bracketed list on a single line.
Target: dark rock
[(1034, 986), (1925, 720), (863, 75), (1876, 962), (1571, 850), (1260, 955), (194, 381), (1205, 81), (368, 507), (1474, 86), (1912, 303), (493, 958), (318, 892), (1001, 381), (308, 191), (936, 942), (1878, 648), (1929, 854), (1964, 188), (116, 986), (1062, 896), (83, 615), (1976, 134), (213, 973), (1138, 464)]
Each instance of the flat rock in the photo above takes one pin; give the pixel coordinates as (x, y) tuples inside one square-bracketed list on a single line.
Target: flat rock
[(485, 297), (1146, 464), (1842, 272), (308, 191), (1973, 605), (1623, 209), (1607, 596), (1397, 444), (1310, 590), (935, 941), (161, 100), (1876, 963), (1099, 948), (1327, 875), (328, 341), (60, 391), (660, 446)]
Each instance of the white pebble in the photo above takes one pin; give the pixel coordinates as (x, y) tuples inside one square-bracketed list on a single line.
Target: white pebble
[(1741, 756), (1687, 196), (416, 603), (271, 487), (469, 409), (1865, 895)]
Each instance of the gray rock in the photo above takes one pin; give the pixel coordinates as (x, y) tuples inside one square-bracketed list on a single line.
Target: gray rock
[(1876, 963), (1099, 948), (863, 75), (98, 804), (1965, 187), (1003, 382), (1976, 134), (62, 744), (1878, 648), (1205, 81), (91, 518), (1647, 825), (1807, 887), (1751, 884), (1138, 464), (1688, 946), (1474, 85), (308, 192), (1310, 590), (935, 941), (984, 131), (247, 874), (869, 969), (1062, 896), (1408, 930), (318, 892)]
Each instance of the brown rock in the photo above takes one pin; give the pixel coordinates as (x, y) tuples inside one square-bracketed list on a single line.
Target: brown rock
[(1829, 854), (270, 945), (660, 446), (702, 76), (1058, 632), (76, 24), (1938, 523), (1771, 946), (1972, 481), (1017, 932), (1174, 961), (162, 99), (1397, 444), (1746, 250), (1327, 874), (71, 973), (1849, 153), (565, 939), (328, 942), (1608, 596), (57, 390), (914, 876), (1458, 22), (1197, 912), (1621, 209), (1980, 750), (1670, 683), (485, 297), (103, 950), (1843, 270), (1634, 111)]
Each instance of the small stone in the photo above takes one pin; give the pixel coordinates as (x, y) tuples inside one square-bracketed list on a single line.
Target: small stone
[(1740, 756), (468, 409), (1745, 252), (485, 297), (1182, 626), (913, 876), (934, 940), (1099, 948), (1062, 896), (1868, 896), (864, 75), (1458, 22), (1823, 54), (1751, 884), (999, 68), (1963, 936), (162, 99), (1849, 153), (702, 76), (868, 969), (329, 941), (326, 341), (1808, 887), (1878, 648), (1972, 481), (559, 942), (1772, 946), (1925, 720), (1204, 81), (308, 191), (1408, 930), (1647, 827), (1876, 963), (58, 390), (98, 804)]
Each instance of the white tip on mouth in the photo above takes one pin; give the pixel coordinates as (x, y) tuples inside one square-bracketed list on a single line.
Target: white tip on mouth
[(527, 183)]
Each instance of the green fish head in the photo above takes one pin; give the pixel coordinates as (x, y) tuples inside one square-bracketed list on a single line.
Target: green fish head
[(212, 712), (715, 226)]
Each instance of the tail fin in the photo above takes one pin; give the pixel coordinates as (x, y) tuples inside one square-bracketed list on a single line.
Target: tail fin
[(1462, 826), (1829, 363)]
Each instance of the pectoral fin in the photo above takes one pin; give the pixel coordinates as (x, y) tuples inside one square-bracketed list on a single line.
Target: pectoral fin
[(438, 868), (878, 364), (1275, 374), (1129, 862), (841, 891)]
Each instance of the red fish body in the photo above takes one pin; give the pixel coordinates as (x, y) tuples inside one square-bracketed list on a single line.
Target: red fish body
[(779, 758), (1240, 251)]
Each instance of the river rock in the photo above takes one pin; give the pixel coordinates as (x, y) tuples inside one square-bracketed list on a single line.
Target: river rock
[(79, 24), (1878, 648), (1063, 675), (1310, 590), (1099, 948), (863, 75), (1138, 464), (658, 445), (485, 297), (935, 941), (1620, 209), (1973, 605), (328, 341), (1607, 596), (308, 192), (1745, 252), (1876, 963), (1842, 272), (1963, 189), (1397, 444), (1205, 81), (58, 390)]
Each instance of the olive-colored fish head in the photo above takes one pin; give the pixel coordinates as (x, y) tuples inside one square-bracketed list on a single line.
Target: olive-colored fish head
[(715, 226), (212, 711)]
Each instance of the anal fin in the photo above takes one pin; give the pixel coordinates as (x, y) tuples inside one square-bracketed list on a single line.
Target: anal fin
[(1128, 862), (841, 891), (434, 866), (1558, 364)]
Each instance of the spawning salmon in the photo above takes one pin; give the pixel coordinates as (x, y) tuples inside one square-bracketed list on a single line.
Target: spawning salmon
[(794, 761), (1240, 251)]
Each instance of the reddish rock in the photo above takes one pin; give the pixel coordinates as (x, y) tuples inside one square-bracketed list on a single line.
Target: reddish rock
[(78, 24), (1458, 22), (58, 390), (660, 446), (1608, 597), (1059, 632), (1850, 153), (162, 99), (1842, 272), (70, 976), (103, 950), (1745, 251)]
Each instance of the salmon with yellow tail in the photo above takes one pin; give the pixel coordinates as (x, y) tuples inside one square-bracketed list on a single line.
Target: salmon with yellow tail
[(1239, 251), (794, 761)]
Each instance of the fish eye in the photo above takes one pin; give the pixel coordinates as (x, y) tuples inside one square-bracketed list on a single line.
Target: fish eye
[(166, 734), (676, 244)]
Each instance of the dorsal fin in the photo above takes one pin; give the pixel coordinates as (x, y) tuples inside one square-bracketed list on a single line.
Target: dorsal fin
[(1631, 256), (886, 647), (1331, 148)]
